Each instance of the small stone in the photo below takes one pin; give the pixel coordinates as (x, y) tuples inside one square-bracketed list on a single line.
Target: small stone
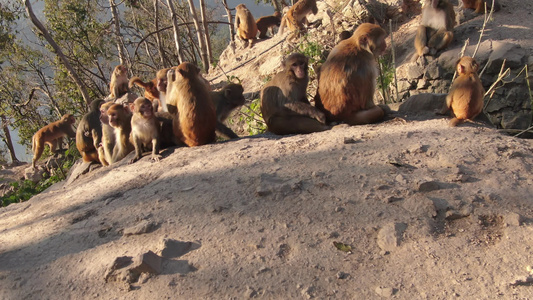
[(513, 219), (250, 292), (342, 275), (428, 186), (386, 292), (148, 262), (172, 248), (143, 227), (390, 235)]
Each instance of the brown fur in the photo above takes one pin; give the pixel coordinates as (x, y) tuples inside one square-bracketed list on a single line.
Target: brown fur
[(296, 18), (479, 5), (105, 149), (120, 120), (284, 103), (245, 24), (89, 133), (155, 89), (145, 129), (225, 101), (119, 82), (196, 117), (465, 98), (268, 22), (435, 31), (348, 77), (52, 135)]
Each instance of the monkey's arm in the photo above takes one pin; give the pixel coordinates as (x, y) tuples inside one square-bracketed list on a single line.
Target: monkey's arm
[(301, 108), (225, 131)]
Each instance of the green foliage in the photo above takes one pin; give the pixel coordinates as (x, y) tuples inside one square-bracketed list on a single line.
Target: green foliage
[(386, 77), (251, 116), (313, 50)]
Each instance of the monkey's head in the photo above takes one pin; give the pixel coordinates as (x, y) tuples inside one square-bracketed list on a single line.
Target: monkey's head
[(144, 107), (95, 104), (297, 64), (187, 70), (161, 77), (241, 6), (466, 65), (104, 118), (234, 94), (120, 70), (277, 14), (371, 38), (117, 114), (438, 4), (68, 118)]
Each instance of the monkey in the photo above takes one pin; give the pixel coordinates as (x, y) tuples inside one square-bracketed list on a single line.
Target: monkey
[(268, 22), (296, 17), (245, 24), (120, 120), (344, 35), (225, 100), (89, 133), (105, 149), (145, 129), (119, 82), (155, 89), (284, 103), (479, 5), (195, 119), (347, 79), (435, 31), (465, 98), (52, 134)]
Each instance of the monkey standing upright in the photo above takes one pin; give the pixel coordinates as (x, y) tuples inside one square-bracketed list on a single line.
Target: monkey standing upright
[(52, 134), (145, 129), (347, 79), (89, 133), (196, 120), (465, 98), (245, 24), (284, 103)]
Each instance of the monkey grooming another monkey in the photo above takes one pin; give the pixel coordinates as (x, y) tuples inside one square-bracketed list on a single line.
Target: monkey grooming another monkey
[(268, 22), (52, 134), (226, 100), (465, 98), (196, 117), (89, 133), (284, 103), (296, 17), (119, 82), (120, 120), (435, 31), (347, 79), (145, 129), (245, 24)]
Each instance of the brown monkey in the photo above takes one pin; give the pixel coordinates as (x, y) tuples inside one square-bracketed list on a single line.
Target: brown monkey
[(479, 5), (120, 120), (344, 35), (105, 149), (435, 31), (347, 79), (284, 103), (52, 134), (465, 98), (268, 22), (245, 24), (296, 17), (226, 100), (196, 117), (154, 88), (145, 129), (89, 133), (119, 82)]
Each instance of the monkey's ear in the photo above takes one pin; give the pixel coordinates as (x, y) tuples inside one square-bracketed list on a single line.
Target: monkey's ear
[(130, 107)]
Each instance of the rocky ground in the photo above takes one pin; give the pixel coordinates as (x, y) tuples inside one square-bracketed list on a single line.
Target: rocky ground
[(408, 209)]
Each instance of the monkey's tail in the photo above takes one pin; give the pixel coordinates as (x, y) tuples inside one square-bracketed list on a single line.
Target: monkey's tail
[(136, 80), (454, 122), (33, 144)]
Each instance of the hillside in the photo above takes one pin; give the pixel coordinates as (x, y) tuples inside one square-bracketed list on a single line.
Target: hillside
[(421, 211)]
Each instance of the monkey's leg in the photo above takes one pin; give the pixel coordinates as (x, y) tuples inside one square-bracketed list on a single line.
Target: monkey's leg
[(421, 41), (367, 116), (440, 40), (295, 124)]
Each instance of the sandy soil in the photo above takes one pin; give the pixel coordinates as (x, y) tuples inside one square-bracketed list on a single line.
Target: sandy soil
[(430, 212)]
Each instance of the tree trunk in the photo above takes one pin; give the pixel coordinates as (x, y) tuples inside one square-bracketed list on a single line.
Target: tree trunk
[(176, 32), (58, 52), (158, 34), (206, 30), (276, 5), (231, 29), (8, 140), (200, 35), (118, 35)]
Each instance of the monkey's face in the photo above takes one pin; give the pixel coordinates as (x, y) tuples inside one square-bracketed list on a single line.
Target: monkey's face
[(299, 68), (381, 45), (115, 117), (104, 118), (145, 108)]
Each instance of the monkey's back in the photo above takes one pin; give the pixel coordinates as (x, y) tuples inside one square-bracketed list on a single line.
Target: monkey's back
[(467, 97)]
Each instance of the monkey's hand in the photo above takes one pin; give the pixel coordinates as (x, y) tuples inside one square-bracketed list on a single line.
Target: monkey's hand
[(134, 159), (156, 158)]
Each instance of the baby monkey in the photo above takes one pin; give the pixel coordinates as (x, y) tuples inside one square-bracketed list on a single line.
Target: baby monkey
[(145, 129)]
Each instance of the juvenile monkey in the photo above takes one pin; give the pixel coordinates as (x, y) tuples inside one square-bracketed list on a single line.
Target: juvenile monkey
[(465, 98), (105, 149), (196, 117), (120, 120), (284, 103), (155, 89), (245, 24), (89, 133), (268, 22), (296, 17), (52, 134), (435, 31), (347, 79), (226, 100), (145, 129), (119, 82), (479, 5)]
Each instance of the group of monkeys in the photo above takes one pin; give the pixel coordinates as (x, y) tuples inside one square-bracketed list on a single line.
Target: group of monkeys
[(179, 108)]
